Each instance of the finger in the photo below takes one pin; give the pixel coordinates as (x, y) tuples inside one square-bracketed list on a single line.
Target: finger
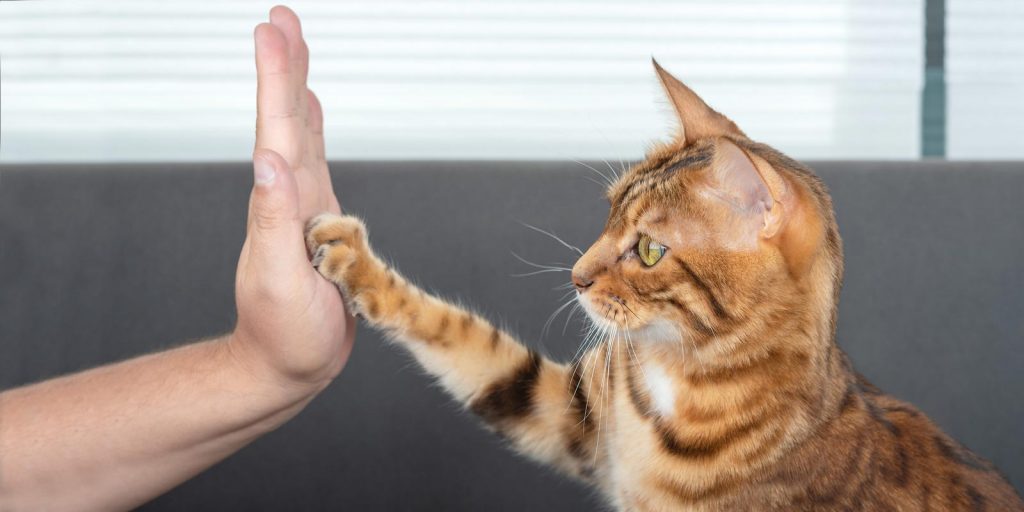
[(298, 53), (278, 125), (275, 228), (315, 142), (315, 125)]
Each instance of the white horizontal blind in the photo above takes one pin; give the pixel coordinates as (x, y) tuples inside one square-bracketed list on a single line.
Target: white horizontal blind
[(985, 79), (499, 79)]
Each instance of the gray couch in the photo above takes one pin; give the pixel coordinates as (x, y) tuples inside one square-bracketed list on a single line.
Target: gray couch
[(99, 263)]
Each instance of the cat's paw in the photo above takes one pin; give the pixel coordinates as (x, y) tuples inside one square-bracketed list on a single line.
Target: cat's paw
[(337, 243)]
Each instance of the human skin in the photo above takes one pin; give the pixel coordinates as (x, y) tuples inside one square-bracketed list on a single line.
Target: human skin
[(114, 437)]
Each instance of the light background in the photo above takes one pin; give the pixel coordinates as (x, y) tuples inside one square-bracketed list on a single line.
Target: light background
[(985, 78), (503, 79)]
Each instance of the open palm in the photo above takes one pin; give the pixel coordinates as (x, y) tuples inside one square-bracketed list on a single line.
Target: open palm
[(293, 318)]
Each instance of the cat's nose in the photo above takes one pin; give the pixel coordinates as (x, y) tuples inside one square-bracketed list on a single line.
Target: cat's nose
[(581, 283)]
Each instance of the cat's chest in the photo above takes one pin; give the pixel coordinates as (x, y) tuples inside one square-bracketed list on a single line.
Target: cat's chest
[(642, 471), (645, 398)]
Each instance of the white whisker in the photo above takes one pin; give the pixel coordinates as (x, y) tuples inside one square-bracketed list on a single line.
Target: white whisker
[(605, 398), (590, 383), (594, 181), (538, 265), (629, 345), (608, 181), (610, 168), (554, 236), (544, 271), (547, 324), (568, 317)]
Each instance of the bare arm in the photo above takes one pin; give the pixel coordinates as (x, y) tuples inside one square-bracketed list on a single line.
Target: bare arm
[(114, 437)]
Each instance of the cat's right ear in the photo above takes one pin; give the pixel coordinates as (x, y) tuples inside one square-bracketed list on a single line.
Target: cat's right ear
[(696, 119)]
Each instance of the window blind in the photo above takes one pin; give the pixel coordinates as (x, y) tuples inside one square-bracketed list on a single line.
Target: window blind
[(498, 79), (985, 78)]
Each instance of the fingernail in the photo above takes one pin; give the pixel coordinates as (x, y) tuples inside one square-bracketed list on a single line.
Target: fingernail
[(263, 170)]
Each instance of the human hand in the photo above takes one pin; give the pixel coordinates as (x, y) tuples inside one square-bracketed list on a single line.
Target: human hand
[(292, 325)]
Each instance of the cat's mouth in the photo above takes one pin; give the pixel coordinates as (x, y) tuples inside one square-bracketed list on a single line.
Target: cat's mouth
[(617, 316), (610, 311)]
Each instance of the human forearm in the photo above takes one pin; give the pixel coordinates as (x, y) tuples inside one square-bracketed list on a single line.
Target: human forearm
[(116, 436)]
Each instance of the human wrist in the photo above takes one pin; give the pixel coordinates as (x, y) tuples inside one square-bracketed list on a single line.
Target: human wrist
[(255, 364)]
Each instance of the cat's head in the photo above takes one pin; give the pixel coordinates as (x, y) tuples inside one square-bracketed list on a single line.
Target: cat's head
[(709, 235)]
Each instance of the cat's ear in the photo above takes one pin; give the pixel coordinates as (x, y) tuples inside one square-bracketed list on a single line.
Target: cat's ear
[(696, 119), (771, 207), (751, 186)]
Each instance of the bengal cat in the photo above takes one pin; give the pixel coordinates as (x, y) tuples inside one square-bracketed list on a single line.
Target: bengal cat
[(719, 385)]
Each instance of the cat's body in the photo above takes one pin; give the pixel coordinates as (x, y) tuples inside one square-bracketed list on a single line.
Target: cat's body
[(718, 384)]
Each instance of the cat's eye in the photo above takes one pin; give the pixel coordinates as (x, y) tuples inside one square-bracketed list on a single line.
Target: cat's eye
[(649, 250)]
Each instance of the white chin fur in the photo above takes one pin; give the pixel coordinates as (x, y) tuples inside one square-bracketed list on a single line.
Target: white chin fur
[(597, 318), (658, 330)]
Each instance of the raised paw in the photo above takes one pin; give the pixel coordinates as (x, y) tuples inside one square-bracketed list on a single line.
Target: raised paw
[(336, 243)]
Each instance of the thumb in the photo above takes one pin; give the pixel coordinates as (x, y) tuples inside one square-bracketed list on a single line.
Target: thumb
[(274, 204), (274, 238)]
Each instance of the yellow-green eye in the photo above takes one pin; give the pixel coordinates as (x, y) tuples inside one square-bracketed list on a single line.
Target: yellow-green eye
[(649, 250)]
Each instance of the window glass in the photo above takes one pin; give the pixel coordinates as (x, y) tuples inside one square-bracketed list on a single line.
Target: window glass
[(985, 78), (500, 79)]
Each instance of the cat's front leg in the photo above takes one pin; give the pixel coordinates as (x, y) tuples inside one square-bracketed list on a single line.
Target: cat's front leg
[(547, 409)]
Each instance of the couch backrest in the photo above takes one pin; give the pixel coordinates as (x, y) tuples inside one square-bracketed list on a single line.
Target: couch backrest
[(99, 263)]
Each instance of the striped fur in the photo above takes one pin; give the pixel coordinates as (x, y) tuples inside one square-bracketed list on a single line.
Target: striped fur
[(720, 386)]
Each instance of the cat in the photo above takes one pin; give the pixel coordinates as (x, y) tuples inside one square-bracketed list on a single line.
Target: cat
[(718, 385)]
